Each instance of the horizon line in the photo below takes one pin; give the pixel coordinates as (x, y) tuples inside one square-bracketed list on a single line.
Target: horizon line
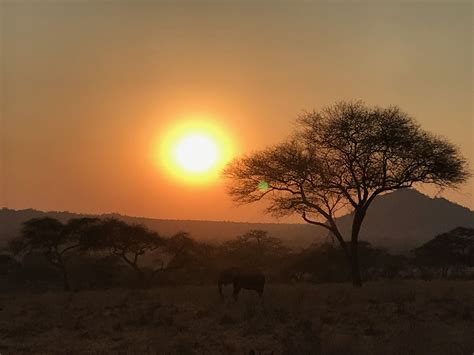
[(208, 220)]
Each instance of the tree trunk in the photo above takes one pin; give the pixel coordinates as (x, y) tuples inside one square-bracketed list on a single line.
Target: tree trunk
[(142, 279), (61, 266), (354, 255), (355, 268), (66, 284), (351, 251)]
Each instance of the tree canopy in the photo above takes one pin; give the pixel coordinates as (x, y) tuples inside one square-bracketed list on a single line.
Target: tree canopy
[(254, 248), (455, 247), (126, 241), (339, 159), (53, 239)]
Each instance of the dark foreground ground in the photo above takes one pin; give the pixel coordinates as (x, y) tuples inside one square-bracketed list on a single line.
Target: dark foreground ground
[(412, 317)]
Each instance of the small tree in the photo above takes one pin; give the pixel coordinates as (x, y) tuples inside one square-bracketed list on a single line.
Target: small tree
[(255, 247), (340, 159), (193, 260), (126, 241), (182, 251), (53, 239), (448, 249), (319, 263)]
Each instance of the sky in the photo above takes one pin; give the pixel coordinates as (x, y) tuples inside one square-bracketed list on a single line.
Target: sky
[(90, 88)]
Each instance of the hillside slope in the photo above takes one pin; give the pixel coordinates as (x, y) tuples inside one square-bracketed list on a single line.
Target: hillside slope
[(294, 235), (398, 221), (405, 219)]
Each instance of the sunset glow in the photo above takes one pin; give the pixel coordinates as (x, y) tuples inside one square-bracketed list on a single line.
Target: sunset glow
[(98, 96), (211, 176), (194, 151)]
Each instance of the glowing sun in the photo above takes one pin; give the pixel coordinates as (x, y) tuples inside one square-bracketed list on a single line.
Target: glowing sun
[(194, 151)]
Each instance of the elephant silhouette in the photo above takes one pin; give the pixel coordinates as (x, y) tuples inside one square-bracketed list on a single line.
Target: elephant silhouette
[(241, 279)]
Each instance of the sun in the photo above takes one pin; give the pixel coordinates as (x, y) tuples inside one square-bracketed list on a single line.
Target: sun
[(194, 151)]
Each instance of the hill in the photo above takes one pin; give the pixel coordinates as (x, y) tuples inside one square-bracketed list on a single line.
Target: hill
[(455, 247), (398, 221), (293, 235), (406, 219)]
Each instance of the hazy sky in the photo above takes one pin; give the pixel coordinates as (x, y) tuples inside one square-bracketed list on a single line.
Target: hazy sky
[(87, 88)]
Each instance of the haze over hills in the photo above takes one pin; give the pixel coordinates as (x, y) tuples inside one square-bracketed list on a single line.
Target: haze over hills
[(294, 235), (398, 221), (405, 219)]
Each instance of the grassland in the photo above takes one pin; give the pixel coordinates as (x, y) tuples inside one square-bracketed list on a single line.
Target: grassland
[(412, 317)]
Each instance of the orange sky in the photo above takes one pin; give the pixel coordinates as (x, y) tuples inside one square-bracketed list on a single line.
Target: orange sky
[(87, 88)]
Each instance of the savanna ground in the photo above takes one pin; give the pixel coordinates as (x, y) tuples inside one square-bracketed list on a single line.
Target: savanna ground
[(409, 317)]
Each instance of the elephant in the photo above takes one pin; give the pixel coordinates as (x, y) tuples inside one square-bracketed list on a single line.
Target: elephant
[(242, 279)]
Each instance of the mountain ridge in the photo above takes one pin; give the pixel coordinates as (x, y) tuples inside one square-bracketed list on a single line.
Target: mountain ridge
[(396, 221)]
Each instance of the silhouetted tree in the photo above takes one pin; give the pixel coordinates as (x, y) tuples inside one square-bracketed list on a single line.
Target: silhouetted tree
[(126, 241), (319, 263), (8, 265), (184, 251), (51, 238), (254, 248), (189, 260), (341, 159), (455, 247)]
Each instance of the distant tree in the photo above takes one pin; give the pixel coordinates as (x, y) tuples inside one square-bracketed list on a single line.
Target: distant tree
[(183, 251), (255, 247), (126, 241), (455, 247), (318, 263), (51, 238), (189, 260), (340, 159), (326, 262), (8, 264)]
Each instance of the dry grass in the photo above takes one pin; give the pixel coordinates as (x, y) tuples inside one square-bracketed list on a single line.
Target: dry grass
[(381, 318)]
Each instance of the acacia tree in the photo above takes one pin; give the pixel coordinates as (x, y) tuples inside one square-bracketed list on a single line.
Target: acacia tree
[(125, 241), (255, 247), (182, 250), (339, 160), (184, 253), (452, 248), (53, 239)]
